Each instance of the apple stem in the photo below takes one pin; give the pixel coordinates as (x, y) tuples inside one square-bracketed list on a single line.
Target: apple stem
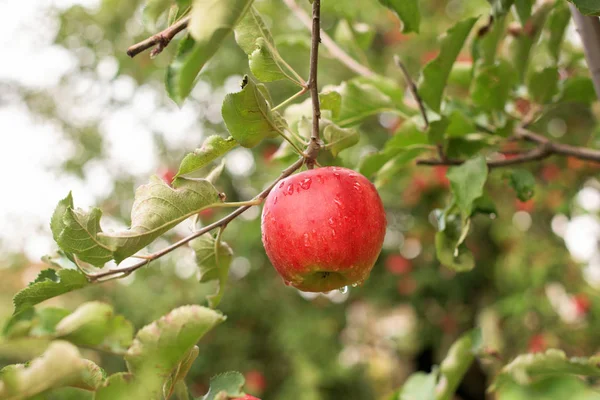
[(315, 144)]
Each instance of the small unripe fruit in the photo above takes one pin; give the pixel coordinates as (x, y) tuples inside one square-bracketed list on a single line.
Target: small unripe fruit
[(323, 229)]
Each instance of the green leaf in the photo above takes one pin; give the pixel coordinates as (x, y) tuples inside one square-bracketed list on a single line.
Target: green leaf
[(214, 262), (436, 72), (391, 169), (364, 97), (558, 21), (457, 362), (162, 345), (524, 42), (485, 43), (60, 366), (407, 11), (419, 386), (527, 368), (500, 7), (229, 383), (406, 139), (154, 9), (563, 387), (122, 386), (48, 284), (210, 23), (338, 139), (457, 258), (332, 101), (213, 147), (543, 85), (76, 233), (492, 85), (441, 383), (263, 63), (523, 8), (253, 36), (94, 324), (158, 208), (523, 182), (179, 374), (587, 7), (248, 115), (467, 181), (578, 89)]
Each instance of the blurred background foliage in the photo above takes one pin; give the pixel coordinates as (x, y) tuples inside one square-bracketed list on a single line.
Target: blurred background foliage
[(538, 265)]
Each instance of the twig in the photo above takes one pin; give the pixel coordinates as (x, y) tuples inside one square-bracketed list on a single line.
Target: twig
[(413, 90), (160, 40), (545, 148), (333, 48), (589, 30), (123, 272), (314, 146)]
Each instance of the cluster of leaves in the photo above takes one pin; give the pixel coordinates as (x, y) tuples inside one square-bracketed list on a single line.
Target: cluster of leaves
[(158, 357)]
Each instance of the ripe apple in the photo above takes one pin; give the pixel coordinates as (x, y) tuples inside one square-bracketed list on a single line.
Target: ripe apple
[(323, 229)]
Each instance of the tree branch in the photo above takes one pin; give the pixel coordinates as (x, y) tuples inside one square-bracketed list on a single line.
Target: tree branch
[(315, 145), (589, 30), (545, 148), (413, 90), (160, 40), (333, 48), (125, 271)]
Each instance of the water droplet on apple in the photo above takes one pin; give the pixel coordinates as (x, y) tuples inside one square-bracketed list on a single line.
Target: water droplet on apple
[(343, 289), (290, 189), (306, 240), (287, 283), (355, 284), (275, 200), (337, 175), (352, 175), (305, 184), (320, 178), (333, 232), (331, 221), (357, 186)]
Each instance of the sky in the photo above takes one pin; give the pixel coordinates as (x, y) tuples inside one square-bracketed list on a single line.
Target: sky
[(31, 148)]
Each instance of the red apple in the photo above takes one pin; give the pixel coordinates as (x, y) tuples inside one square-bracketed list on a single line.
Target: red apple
[(323, 229)]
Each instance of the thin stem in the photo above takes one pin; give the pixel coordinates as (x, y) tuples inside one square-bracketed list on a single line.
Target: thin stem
[(294, 146), (589, 30), (160, 40), (315, 144), (545, 148), (413, 90), (253, 202), (333, 48), (125, 271), (291, 99)]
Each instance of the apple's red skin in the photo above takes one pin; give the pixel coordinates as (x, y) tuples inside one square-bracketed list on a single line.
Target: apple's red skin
[(323, 229)]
